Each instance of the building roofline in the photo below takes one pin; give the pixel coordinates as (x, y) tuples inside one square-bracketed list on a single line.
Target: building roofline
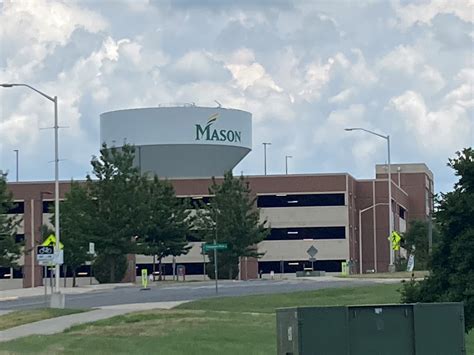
[(37, 182), (395, 165)]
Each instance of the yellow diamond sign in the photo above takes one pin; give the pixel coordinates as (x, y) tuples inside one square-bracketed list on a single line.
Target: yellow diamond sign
[(395, 238), (51, 241)]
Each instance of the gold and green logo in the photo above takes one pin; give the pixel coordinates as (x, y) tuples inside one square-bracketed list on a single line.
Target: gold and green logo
[(208, 133)]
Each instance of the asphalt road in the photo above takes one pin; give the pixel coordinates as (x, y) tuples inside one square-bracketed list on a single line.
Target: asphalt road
[(179, 292)]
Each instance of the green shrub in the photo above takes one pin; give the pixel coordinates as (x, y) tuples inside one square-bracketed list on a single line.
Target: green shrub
[(110, 269)]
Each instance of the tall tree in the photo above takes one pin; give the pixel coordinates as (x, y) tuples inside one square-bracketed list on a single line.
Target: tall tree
[(165, 222), (231, 217), (77, 211), (415, 241), (116, 197), (9, 249), (452, 263)]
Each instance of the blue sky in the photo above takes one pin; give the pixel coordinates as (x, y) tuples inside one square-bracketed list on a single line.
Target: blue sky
[(305, 69)]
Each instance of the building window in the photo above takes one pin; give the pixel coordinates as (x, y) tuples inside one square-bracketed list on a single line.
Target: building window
[(18, 208), (311, 200), (402, 213), (167, 269), (194, 237), (298, 265), (427, 202), (48, 206), (307, 233), (20, 238), (195, 202)]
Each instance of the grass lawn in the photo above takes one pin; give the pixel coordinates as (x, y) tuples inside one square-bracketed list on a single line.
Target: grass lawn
[(326, 297), (17, 318), (388, 275), (233, 325)]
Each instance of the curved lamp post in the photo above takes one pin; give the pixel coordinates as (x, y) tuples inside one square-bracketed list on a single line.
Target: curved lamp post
[(389, 179), (56, 170)]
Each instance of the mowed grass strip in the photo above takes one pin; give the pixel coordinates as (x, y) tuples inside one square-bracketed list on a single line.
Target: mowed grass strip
[(227, 325), (160, 332), (16, 318), (388, 275), (384, 293)]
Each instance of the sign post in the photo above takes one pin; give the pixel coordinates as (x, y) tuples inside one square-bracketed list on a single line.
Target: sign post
[(215, 246), (312, 251), (344, 268), (91, 252), (145, 279), (411, 263), (215, 267), (203, 262), (45, 283)]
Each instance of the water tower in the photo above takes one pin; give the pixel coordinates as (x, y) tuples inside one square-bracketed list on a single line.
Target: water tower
[(181, 142)]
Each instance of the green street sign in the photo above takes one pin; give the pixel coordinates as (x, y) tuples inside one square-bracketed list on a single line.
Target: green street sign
[(218, 246)]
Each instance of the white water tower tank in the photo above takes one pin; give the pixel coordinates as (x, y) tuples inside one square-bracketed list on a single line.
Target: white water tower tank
[(181, 142)]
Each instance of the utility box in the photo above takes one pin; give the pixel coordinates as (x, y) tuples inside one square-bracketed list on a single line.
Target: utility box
[(408, 329)]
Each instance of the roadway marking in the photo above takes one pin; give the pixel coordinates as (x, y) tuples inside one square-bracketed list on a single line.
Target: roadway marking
[(226, 285), (11, 298)]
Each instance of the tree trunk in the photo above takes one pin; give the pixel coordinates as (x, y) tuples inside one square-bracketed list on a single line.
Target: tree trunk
[(154, 266), (73, 277), (112, 271), (159, 268), (230, 272), (65, 274)]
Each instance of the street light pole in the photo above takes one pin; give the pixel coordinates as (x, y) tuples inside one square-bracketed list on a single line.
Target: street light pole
[(265, 157), (286, 163), (16, 154), (56, 190), (17, 179), (216, 275), (45, 278), (56, 171), (360, 237), (391, 266)]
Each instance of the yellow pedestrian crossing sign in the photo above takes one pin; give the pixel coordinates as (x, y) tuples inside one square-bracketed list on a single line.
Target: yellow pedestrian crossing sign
[(51, 241), (144, 278), (395, 238)]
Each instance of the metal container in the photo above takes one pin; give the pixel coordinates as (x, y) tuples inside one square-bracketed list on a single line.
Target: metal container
[(400, 329)]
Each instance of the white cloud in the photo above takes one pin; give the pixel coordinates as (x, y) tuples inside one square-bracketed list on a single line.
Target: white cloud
[(402, 58), (243, 56), (439, 131), (252, 75), (131, 51), (338, 120), (360, 71), (48, 21), (16, 126), (317, 76), (32, 30), (463, 95), (305, 71), (424, 13), (198, 66), (408, 63), (432, 78), (344, 95)]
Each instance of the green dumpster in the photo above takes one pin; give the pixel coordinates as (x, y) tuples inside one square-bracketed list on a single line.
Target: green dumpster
[(399, 329)]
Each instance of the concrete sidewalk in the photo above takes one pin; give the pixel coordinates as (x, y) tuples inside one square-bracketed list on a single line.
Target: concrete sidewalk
[(59, 324), (13, 294)]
